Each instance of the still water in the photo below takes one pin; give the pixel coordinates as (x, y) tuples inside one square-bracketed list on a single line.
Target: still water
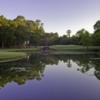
[(51, 77)]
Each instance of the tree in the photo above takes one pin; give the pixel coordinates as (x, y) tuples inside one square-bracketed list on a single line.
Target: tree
[(3, 30), (74, 40), (21, 31), (10, 37), (36, 33), (96, 38), (68, 33), (97, 26), (84, 37), (96, 34)]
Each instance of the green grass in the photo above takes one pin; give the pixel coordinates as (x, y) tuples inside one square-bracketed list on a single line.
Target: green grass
[(66, 47), (54, 48), (73, 48), (17, 53), (20, 49), (9, 56)]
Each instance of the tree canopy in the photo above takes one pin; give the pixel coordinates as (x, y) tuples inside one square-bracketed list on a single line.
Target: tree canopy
[(22, 32)]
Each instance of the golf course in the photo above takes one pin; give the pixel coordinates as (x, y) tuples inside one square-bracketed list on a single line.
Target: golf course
[(18, 53)]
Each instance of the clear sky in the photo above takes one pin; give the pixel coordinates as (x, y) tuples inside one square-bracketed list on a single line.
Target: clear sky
[(57, 15)]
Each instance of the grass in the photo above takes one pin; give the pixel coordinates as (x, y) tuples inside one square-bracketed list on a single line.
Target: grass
[(54, 48), (20, 49), (17, 53), (66, 47), (9, 56), (12, 54), (73, 48)]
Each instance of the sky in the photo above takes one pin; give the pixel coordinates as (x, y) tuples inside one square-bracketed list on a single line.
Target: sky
[(57, 15)]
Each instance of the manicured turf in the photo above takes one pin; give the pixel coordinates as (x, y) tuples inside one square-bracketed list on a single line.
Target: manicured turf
[(54, 48), (73, 48), (8, 56), (16, 53), (20, 49)]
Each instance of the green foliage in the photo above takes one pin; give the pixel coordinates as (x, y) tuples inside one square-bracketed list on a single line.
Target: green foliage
[(97, 26), (84, 37), (10, 56), (68, 33), (96, 34), (96, 38), (20, 32)]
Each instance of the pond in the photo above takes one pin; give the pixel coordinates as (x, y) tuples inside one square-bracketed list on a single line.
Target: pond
[(51, 77)]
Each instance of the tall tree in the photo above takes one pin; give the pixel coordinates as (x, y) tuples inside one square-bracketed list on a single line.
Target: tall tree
[(96, 34), (96, 38), (21, 30), (68, 33), (97, 26), (84, 37), (3, 30), (36, 33)]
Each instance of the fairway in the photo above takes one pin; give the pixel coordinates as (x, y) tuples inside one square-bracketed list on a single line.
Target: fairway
[(13, 54), (67, 47), (73, 48), (9, 56)]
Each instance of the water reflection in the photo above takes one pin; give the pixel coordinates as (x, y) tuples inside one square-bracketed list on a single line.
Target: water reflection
[(33, 67)]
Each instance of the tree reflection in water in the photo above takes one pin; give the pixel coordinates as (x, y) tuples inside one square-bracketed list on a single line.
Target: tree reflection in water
[(33, 67)]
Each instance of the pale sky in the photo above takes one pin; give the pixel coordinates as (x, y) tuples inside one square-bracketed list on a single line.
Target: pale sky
[(57, 15)]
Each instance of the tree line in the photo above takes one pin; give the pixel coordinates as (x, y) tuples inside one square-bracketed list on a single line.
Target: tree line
[(21, 32)]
